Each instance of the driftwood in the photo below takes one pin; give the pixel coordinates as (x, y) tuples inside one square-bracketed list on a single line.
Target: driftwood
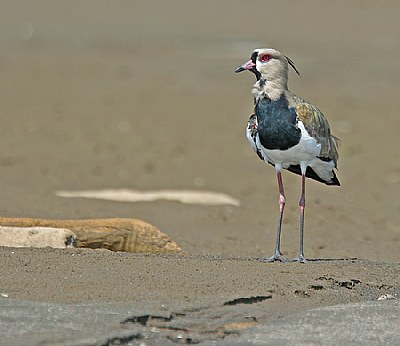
[(58, 238), (131, 235)]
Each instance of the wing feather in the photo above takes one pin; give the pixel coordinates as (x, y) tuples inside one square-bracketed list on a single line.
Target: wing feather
[(318, 127)]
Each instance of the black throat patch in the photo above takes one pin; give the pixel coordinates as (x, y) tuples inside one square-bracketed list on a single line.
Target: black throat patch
[(254, 70), (277, 124)]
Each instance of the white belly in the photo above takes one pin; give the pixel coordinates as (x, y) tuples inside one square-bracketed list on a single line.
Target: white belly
[(304, 152)]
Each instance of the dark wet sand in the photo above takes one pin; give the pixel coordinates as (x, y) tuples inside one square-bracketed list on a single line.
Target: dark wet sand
[(143, 95)]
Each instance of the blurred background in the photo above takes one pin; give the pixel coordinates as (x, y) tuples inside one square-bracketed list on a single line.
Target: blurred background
[(142, 95)]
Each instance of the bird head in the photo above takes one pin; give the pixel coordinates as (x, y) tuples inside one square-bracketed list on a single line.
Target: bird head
[(268, 64)]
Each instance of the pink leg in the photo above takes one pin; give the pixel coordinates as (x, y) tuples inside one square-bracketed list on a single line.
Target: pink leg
[(302, 204), (282, 201)]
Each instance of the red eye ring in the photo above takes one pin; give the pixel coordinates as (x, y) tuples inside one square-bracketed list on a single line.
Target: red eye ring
[(265, 57)]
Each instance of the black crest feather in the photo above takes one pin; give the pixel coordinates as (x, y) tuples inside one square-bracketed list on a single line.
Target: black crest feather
[(291, 63)]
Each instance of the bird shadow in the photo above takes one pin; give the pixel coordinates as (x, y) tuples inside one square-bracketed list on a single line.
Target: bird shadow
[(313, 260), (332, 259)]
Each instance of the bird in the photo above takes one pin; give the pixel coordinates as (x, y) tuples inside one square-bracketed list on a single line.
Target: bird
[(289, 133)]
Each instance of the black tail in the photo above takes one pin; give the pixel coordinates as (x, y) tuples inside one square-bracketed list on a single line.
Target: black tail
[(312, 175)]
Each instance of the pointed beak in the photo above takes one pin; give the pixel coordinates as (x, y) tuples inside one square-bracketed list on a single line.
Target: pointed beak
[(246, 66)]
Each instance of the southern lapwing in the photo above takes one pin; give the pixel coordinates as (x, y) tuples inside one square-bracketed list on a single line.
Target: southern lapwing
[(288, 133)]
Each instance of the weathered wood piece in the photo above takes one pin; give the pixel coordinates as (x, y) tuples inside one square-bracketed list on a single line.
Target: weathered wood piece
[(131, 235), (58, 238)]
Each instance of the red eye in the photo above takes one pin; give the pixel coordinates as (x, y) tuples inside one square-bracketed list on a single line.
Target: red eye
[(265, 57)]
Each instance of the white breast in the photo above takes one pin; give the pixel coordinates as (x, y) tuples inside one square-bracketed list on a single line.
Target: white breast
[(304, 152)]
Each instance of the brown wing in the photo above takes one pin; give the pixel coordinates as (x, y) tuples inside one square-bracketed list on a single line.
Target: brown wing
[(318, 127)]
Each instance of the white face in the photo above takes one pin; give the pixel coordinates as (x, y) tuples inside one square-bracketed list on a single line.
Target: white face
[(270, 66), (269, 62)]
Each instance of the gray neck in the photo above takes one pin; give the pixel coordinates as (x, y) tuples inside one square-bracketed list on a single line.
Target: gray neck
[(272, 88)]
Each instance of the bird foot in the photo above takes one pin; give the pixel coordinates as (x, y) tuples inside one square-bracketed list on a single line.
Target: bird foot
[(275, 258), (299, 259)]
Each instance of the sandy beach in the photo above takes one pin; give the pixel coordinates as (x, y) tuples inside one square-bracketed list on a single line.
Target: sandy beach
[(143, 95)]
